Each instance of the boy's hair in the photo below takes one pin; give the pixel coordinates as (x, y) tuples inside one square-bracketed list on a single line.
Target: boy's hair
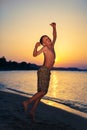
[(41, 39)]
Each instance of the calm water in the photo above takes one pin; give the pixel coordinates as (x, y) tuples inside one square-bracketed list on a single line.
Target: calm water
[(66, 87)]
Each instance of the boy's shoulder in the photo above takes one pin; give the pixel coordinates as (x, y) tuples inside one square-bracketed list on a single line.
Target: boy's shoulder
[(45, 48)]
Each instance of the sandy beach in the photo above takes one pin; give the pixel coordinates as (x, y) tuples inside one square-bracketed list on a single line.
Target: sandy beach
[(12, 116)]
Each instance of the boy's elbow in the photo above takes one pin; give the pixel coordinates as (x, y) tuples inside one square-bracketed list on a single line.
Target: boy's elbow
[(34, 55)]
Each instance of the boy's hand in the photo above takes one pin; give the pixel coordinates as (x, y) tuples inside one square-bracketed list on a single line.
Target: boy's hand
[(37, 44), (53, 24)]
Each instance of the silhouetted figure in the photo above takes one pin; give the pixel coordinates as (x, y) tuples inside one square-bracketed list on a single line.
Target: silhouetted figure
[(44, 71)]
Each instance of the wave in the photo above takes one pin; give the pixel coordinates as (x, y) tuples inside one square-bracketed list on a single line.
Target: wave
[(73, 104), (2, 86)]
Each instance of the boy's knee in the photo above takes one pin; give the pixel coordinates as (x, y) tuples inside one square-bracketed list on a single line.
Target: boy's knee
[(44, 93)]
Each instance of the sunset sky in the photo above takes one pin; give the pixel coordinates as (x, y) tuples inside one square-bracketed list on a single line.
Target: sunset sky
[(23, 22)]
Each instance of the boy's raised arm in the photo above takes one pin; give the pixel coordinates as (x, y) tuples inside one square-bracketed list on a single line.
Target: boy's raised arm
[(54, 32)]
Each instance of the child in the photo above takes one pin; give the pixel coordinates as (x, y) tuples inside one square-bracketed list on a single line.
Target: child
[(44, 71)]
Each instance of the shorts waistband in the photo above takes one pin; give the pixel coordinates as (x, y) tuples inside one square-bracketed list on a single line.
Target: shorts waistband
[(44, 67)]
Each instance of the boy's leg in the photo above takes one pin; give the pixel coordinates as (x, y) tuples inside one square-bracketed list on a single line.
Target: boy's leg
[(32, 112), (38, 95)]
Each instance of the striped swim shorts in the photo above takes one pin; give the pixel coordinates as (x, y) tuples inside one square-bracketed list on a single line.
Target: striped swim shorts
[(43, 75)]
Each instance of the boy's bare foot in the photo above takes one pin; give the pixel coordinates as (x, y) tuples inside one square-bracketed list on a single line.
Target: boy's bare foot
[(25, 104)]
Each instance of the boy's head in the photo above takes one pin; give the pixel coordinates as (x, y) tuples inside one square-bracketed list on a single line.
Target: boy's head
[(45, 40)]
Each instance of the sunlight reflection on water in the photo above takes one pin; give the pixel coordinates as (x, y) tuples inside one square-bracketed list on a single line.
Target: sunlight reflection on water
[(68, 85)]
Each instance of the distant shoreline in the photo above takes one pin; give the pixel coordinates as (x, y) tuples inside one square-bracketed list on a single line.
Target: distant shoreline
[(64, 69), (13, 65)]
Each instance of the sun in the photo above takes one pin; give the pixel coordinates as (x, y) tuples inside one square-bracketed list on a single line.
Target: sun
[(57, 61)]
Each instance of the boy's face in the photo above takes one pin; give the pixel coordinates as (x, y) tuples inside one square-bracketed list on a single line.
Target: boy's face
[(46, 41)]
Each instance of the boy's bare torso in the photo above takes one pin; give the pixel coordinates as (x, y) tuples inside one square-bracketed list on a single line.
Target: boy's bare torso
[(49, 56), (47, 49)]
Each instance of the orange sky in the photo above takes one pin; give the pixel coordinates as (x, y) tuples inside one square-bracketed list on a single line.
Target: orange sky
[(22, 23)]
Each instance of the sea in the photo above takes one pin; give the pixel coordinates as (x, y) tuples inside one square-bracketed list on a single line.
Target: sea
[(66, 87)]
